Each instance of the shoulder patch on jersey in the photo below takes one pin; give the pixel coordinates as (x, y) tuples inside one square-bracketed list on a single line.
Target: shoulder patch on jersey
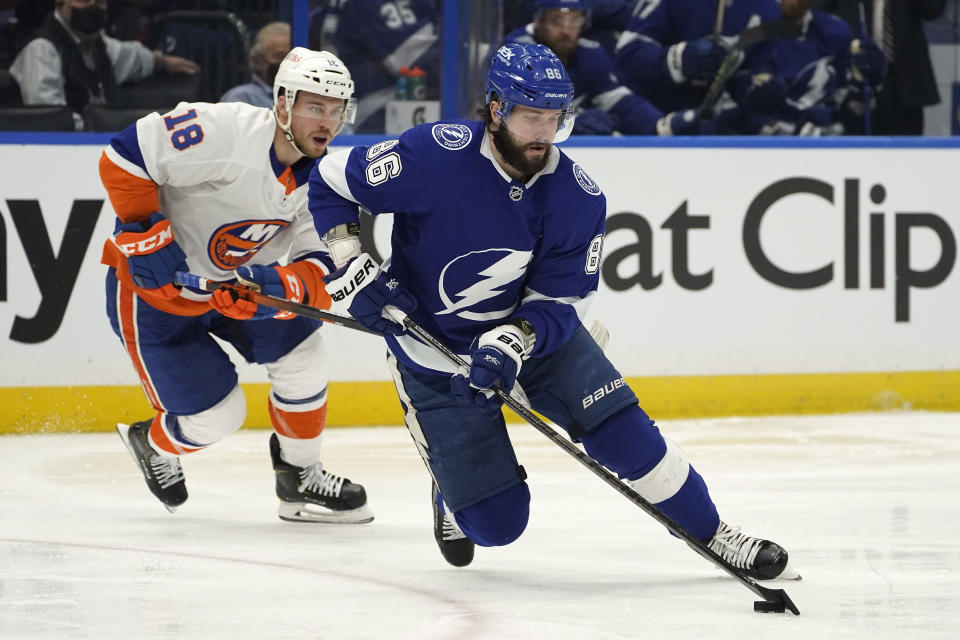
[(381, 147), (451, 135), (585, 181)]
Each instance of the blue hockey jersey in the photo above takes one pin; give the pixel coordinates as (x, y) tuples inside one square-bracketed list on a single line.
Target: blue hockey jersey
[(375, 38), (474, 247), (656, 25), (597, 84), (815, 68)]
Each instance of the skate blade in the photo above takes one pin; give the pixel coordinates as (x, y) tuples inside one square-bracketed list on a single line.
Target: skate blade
[(789, 573), (124, 431), (305, 512)]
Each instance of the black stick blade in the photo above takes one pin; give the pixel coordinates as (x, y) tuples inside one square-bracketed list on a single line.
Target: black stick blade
[(777, 601)]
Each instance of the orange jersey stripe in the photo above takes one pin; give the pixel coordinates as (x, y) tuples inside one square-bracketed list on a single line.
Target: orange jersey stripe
[(160, 438), (126, 306), (113, 257), (288, 180), (132, 197), (300, 425)]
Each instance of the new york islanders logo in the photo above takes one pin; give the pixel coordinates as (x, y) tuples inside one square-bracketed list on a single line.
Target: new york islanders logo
[(234, 244), (452, 136), (476, 280)]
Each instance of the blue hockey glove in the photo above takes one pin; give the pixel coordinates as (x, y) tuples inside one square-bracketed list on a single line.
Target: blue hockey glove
[(695, 60), (362, 290), (594, 122), (685, 123), (495, 360), (767, 96), (820, 115), (278, 282), (868, 62), (153, 256)]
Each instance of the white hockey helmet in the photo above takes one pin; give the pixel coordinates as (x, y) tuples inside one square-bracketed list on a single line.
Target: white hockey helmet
[(318, 72)]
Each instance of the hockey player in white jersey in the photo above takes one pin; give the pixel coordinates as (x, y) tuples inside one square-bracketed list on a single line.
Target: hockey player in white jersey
[(496, 248), (221, 190)]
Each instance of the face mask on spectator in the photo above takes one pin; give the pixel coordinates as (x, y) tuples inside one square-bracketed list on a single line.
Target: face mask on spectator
[(88, 21), (269, 73)]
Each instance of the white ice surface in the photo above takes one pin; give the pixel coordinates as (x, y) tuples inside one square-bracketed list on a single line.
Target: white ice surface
[(868, 506)]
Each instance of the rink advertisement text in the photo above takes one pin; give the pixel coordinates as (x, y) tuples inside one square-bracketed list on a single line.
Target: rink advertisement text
[(631, 265), (716, 261)]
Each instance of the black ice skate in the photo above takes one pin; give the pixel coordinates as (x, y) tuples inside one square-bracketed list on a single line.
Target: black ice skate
[(311, 494), (759, 559), (164, 475), (455, 547)]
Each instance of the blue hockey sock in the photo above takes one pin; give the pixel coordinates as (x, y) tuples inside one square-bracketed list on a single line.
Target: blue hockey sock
[(629, 444)]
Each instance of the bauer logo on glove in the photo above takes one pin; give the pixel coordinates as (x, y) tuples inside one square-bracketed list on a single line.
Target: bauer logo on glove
[(356, 275)]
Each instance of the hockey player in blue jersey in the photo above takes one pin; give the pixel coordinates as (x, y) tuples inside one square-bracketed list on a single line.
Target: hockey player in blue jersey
[(603, 103), (812, 85), (377, 38), (668, 54), (496, 250)]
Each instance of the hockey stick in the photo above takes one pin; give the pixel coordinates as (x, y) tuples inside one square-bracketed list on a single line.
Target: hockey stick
[(718, 20), (774, 600), (866, 86), (186, 279), (748, 37)]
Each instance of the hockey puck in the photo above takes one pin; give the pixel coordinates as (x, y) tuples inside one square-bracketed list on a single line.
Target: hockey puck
[(767, 606)]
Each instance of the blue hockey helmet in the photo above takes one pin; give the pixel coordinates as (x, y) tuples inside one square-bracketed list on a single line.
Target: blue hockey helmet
[(531, 75)]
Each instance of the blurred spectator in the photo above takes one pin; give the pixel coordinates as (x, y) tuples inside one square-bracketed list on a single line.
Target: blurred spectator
[(668, 53), (607, 19), (897, 26), (604, 104), (806, 86), (269, 49), (72, 62), (375, 39), (24, 17)]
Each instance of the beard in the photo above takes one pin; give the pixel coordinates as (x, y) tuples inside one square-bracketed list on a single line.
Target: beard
[(311, 148), (513, 153)]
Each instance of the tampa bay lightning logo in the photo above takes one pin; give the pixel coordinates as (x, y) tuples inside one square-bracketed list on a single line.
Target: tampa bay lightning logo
[(589, 184), (452, 136), (471, 285), (235, 243)]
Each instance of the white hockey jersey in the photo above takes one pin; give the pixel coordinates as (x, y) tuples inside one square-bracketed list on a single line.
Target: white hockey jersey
[(212, 171)]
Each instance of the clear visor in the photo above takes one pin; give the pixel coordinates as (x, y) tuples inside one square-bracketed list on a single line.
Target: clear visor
[(334, 115), (540, 126)]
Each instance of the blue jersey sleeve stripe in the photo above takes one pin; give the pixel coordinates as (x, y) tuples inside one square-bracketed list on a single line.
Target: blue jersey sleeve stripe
[(127, 146)]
